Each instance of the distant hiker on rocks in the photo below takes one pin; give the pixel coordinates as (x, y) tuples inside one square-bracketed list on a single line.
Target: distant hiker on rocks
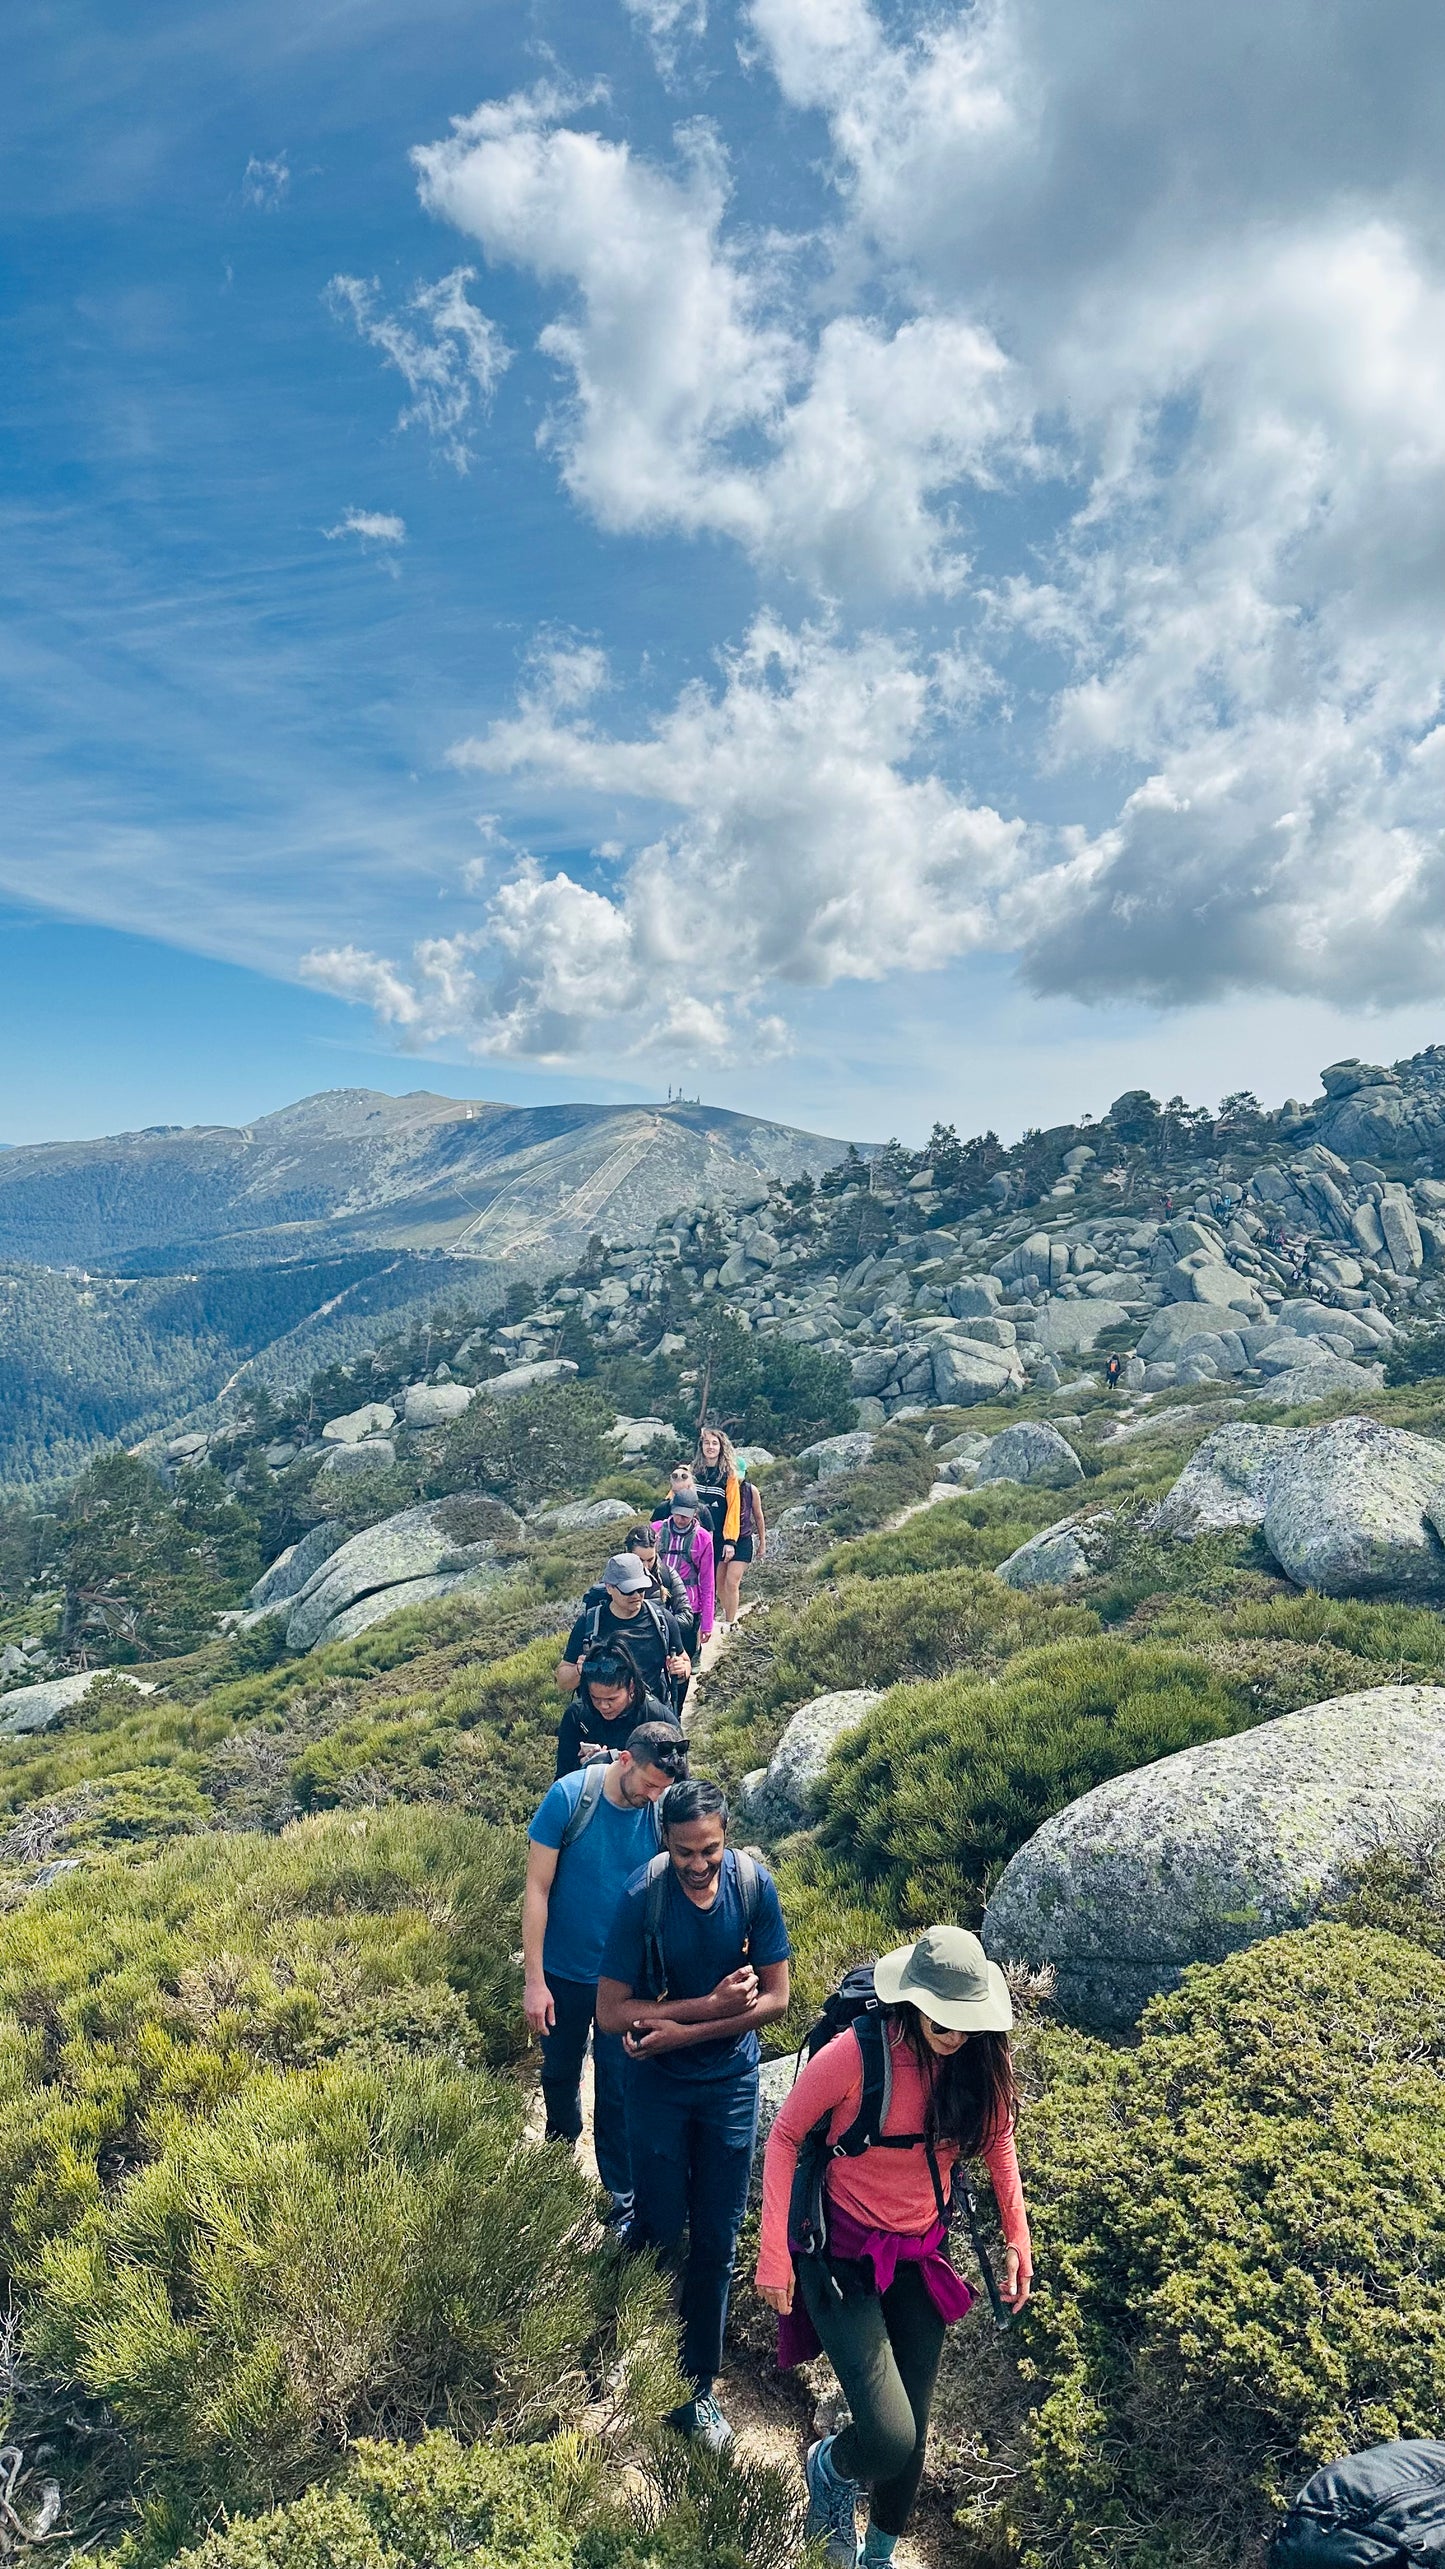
[(1112, 1371), (696, 1961), (627, 1613), (719, 1487), (591, 1832), (606, 1708), (862, 2242)]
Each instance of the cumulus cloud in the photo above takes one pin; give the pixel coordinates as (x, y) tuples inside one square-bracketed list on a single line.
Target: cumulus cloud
[(449, 354), (699, 402), (789, 827), (372, 525), (265, 184)]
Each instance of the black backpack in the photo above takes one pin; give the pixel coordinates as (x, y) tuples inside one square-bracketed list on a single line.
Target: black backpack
[(654, 1961), (1382, 2509), (856, 2007)]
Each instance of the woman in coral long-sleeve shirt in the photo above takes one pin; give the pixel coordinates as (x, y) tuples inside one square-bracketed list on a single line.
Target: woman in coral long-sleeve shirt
[(878, 2305)]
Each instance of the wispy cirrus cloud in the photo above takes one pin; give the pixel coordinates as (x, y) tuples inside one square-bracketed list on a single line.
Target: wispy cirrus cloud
[(449, 355), (370, 525)]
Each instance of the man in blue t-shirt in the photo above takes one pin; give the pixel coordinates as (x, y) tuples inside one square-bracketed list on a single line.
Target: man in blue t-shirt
[(590, 1833), (688, 2002)]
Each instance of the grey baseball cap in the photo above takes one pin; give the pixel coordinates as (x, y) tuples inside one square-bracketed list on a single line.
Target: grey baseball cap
[(625, 1573)]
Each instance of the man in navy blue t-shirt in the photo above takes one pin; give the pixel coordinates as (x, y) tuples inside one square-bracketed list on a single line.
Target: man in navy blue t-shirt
[(589, 1835), (692, 2046)]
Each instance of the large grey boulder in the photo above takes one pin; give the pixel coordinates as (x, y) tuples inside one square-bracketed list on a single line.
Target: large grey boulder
[(1216, 1847), (1034, 1453), (778, 1797), (451, 1534), (836, 1454), (1175, 1322), (974, 1297), (1062, 1553), (527, 1378), (385, 1602), (436, 1404), (344, 1462), (965, 1372), (1068, 1328), (291, 1569), (1323, 1378), (34, 1708), (1355, 1508), (578, 1514), (1224, 1487), (372, 1419)]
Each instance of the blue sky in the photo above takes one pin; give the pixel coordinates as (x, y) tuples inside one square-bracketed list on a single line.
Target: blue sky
[(873, 563)]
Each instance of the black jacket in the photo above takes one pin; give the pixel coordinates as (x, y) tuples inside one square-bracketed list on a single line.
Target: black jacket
[(580, 1723)]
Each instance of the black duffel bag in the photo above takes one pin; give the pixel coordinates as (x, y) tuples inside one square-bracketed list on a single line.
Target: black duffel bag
[(1383, 2509)]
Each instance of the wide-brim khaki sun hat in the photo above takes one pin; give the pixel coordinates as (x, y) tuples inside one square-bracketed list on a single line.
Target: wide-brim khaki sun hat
[(949, 1976)]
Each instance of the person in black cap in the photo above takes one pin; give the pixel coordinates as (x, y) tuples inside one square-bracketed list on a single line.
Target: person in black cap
[(630, 1614)]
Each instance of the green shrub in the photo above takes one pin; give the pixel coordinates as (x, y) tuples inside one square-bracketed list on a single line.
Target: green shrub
[(898, 1472), (1416, 1354), (485, 1744), (439, 2504), (932, 1797), (870, 1632), (357, 2247), (1241, 2237), (830, 1927), (535, 1445), (128, 1993), (975, 1532)]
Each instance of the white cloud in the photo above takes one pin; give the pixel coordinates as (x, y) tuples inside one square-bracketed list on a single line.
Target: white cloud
[(265, 184), (787, 828), (373, 525), (698, 401), (667, 25), (451, 364)]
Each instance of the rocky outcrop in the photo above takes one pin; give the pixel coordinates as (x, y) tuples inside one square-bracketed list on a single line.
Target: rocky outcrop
[(1034, 1453), (778, 1797), (436, 1404), (451, 1538), (373, 1419), (1071, 1550), (291, 1569), (528, 1378), (1216, 1847), (580, 1514), (35, 1708), (833, 1455), (1353, 1508), (345, 1462)]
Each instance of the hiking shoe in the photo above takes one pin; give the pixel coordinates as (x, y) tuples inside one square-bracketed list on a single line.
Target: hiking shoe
[(703, 2422), (832, 2507)]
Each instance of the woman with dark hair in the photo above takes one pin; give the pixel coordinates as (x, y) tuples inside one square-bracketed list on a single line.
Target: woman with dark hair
[(879, 2299)]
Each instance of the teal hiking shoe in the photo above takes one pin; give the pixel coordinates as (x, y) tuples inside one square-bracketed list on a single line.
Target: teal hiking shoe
[(703, 2422), (832, 2506)]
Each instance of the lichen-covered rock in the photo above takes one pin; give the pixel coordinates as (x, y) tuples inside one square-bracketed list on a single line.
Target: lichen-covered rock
[(1067, 1328), (578, 1514), (1216, 1847), (777, 1797), (1166, 1333), (373, 1454), (1064, 1552), (34, 1708), (528, 1378), (435, 1404), (451, 1534), (385, 1602), (1224, 1486), (1034, 1453), (372, 1419), (1353, 1509), (1323, 1378), (964, 1372), (291, 1569), (835, 1454)]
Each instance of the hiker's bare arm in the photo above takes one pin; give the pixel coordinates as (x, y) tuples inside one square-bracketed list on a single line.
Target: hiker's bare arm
[(731, 1997), (568, 1674), (536, 1996), (661, 2029)]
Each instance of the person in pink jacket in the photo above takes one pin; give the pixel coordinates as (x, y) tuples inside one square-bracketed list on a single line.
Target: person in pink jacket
[(879, 2302), (684, 1542)]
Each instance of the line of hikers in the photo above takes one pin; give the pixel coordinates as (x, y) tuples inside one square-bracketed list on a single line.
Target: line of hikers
[(647, 1934)]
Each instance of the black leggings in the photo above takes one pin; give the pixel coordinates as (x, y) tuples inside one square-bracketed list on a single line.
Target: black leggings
[(885, 2352)]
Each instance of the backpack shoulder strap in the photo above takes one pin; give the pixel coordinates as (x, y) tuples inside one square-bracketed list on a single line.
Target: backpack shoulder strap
[(654, 1961), (594, 1623), (594, 1777), (749, 1887), (870, 2032)]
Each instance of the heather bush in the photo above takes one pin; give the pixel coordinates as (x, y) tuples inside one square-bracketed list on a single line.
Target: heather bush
[(362, 2247), (1241, 2235), (928, 1801)]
